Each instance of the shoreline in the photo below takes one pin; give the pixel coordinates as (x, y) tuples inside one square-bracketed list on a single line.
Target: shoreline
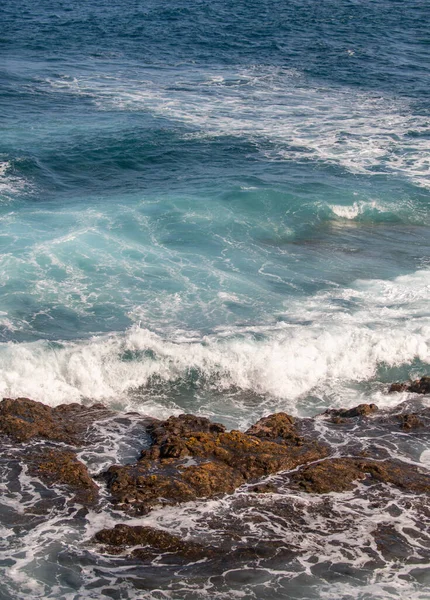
[(190, 459)]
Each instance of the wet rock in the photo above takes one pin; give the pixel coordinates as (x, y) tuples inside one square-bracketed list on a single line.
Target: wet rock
[(340, 474), (264, 488), (61, 467), (410, 421), (23, 419), (419, 386), (191, 458), (278, 427), (153, 542), (391, 544), (336, 475), (362, 410), (145, 543), (397, 387)]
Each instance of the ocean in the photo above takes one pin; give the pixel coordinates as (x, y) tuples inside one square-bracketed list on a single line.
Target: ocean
[(213, 208)]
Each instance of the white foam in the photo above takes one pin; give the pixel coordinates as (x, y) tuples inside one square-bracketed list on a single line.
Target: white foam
[(347, 335), (425, 458), (9, 184), (363, 132), (358, 208)]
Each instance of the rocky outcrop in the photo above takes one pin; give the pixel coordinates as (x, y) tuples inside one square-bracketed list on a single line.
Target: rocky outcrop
[(191, 458), (404, 420), (23, 419)]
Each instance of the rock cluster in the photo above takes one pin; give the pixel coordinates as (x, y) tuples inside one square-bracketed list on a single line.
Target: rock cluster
[(190, 458)]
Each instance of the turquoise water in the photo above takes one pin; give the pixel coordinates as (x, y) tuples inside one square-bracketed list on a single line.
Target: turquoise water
[(215, 199), (214, 207)]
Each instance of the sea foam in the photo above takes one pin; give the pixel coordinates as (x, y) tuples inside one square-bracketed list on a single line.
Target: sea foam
[(363, 132), (329, 342)]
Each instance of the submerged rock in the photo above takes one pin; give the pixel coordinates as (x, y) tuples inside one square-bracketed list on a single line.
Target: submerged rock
[(151, 541), (191, 458), (409, 421)]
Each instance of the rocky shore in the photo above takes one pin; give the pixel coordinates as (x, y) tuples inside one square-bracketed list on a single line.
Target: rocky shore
[(188, 458)]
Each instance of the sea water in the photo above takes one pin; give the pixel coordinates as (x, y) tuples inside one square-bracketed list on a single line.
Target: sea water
[(211, 207)]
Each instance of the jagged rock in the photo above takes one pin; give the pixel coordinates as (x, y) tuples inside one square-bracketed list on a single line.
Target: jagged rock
[(24, 419), (61, 467), (191, 458), (419, 386), (339, 474)]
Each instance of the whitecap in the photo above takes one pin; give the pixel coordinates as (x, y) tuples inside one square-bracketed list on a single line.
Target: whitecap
[(346, 337)]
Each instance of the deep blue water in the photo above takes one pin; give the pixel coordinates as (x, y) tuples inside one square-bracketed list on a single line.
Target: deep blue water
[(211, 206)]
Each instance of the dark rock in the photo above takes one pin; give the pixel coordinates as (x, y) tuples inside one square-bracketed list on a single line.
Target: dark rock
[(419, 386), (362, 410), (264, 488), (61, 467), (190, 458), (24, 419), (391, 544), (339, 474), (154, 542), (410, 421), (397, 387)]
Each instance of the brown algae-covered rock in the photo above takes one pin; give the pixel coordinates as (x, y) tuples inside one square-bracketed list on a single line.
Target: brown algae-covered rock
[(279, 426), (340, 474), (191, 458), (398, 387), (55, 466), (410, 421), (23, 419)]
